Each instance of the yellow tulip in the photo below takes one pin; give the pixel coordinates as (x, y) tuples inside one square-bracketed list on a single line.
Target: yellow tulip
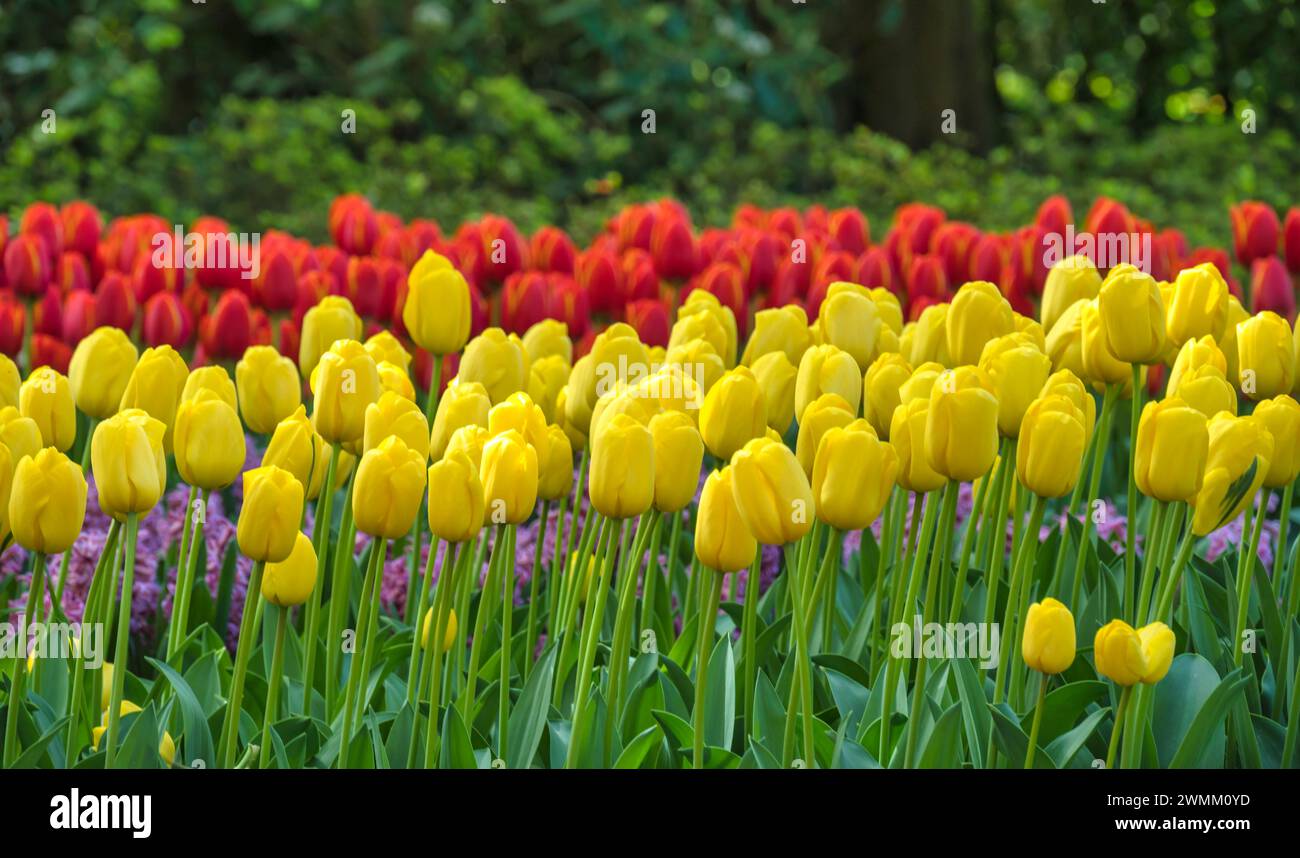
[(673, 388), (383, 346), (47, 502), (496, 361), (1049, 454), (1017, 370), (449, 630), (209, 442), (1132, 316), (331, 320), (1048, 642), (1200, 304), (520, 413), (849, 320), (465, 403), (1205, 389), (347, 381), (393, 378), (889, 308), (1196, 353), (298, 448), (1072, 279), (678, 455), (700, 326), (907, 435), (929, 337), (166, 746), (509, 472), (555, 472), (1265, 356), (919, 384), (827, 369), (393, 414), (723, 541), (778, 329), (469, 440), (1281, 416), (456, 498), (1240, 450), (1032, 331), (437, 312), (387, 489), (549, 338), (698, 359), (735, 411), (46, 398), (270, 514), (126, 455), (776, 377), (853, 475), (20, 434), (621, 482), (880, 390), (1067, 384), (826, 412), (10, 381), (961, 427), (290, 581), (1100, 365), (1065, 340), (98, 372), (1128, 657), (703, 301), (268, 386), (772, 492), (978, 313), (1172, 446), (155, 387), (547, 376), (1228, 342)]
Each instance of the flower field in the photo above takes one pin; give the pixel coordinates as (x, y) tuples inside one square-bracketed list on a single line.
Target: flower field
[(469, 498)]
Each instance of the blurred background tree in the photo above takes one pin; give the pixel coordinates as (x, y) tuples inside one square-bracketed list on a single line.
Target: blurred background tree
[(536, 108)]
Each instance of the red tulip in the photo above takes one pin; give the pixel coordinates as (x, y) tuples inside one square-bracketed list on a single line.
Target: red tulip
[(850, 230), (290, 337), (82, 227), (167, 321), (352, 224), (276, 286), (362, 286), (640, 280), (873, 270), (652, 321), (13, 324), (1254, 231), (917, 223), (228, 331), (1270, 288), (45, 350), (523, 301), (1108, 217), (568, 301), (1014, 287), (1054, 215), (42, 219), (78, 316), (634, 226), (47, 313), (260, 328), (333, 263), (763, 254), (72, 272), (480, 311), (785, 223), (599, 273), (26, 268), (552, 250), (816, 218), (148, 279), (4, 241), (727, 283), (952, 242), (673, 248), (926, 279), (504, 249), (917, 306), (987, 256), (1291, 240), (115, 302)]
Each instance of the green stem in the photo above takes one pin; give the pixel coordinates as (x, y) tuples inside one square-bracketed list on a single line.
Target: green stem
[(749, 636), (18, 674), (1130, 556), (1094, 483), (413, 669), (1116, 730), (433, 654), (937, 559), (530, 625), (1244, 571), (311, 619), (1038, 720), (243, 651), (624, 618), (90, 618), (587, 659), (963, 556), (357, 669), (123, 640), (273, 686), (507, 616), (185, 583), (714, 596)]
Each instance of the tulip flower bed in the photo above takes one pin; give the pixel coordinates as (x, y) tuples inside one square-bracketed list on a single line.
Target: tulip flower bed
[(761, 496)]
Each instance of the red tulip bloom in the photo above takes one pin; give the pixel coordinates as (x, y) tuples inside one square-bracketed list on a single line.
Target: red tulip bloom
[(289, 339), (196, 301), (987, 256), (228, 331), (568, 301), (1255, 231), (727, 283), (480, 311), (652, 321), (82, 227), (148, 279), (1270, 288), (78, 316), (333, 263), (1291, 240), (504, 249), (553, 250), (1108, 217), (523, 301), (764, 255), (634, 226), (13, 324), (917, 223), (873, 270), (47, 313), (26, 267), (785, 223), (166, 321), (353, 224), (42, 219), (276, 286), (45, 350), (1054, 215), (115, 302), (362, 286), (926, 279), (1014, 287), (639, 280), (673, 248), (850, 230), (917, 306), (952, 242), (72, 272)]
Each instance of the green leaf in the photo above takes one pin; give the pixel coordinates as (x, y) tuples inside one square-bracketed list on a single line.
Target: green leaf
[(528, 719), (457, 752), (1012, 741), (943, 748), (974, 705), (720, 696), (195, 731), (637, 749), (1063, 706), (33, 755), (1063, 748), (1204, 735)]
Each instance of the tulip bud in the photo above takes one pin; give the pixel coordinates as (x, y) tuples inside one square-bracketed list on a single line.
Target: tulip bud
[(1049, 454), (853, 475), (1205, 389), (930, 337), (555, 472), (734, 412), (678, 455), (268, 386), (1157, 651), (1228, 342), (1128, 657), (1281, 416), (849, 320), (697, 359), (155, 387), (509, 472), (437, 309), (456, 498), (126, 455), (19, 434), (1100, 365), (547, 376), (961, 429), (907, 435), (1265, 356), (290, 581), (1017, 371), (1240, 449), (881, 390), (772, 492), (268, 520), (776, 376), (449, 630), (783, 329), (704, 301), (210, 379), (46, 502), (1132, 316), (393, 414), (1048, 643), (10, 382), (209, 442), (1072, 279), (826, 369), (383, 346), (497, 361), (465, 403), (1172, 447), (1194, 354), (723, 541), (98, 373), (825, 413), (387, 489), (46, 397), (347, 381), (296, 447), (978, 314), (621, 480), (548, 337), (331, 320), (1199, 306)]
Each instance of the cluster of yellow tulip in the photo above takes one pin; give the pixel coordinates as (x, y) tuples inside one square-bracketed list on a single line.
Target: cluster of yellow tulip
[(970, 392)]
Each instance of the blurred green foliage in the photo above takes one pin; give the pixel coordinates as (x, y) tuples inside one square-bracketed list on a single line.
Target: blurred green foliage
[(536, 109)]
